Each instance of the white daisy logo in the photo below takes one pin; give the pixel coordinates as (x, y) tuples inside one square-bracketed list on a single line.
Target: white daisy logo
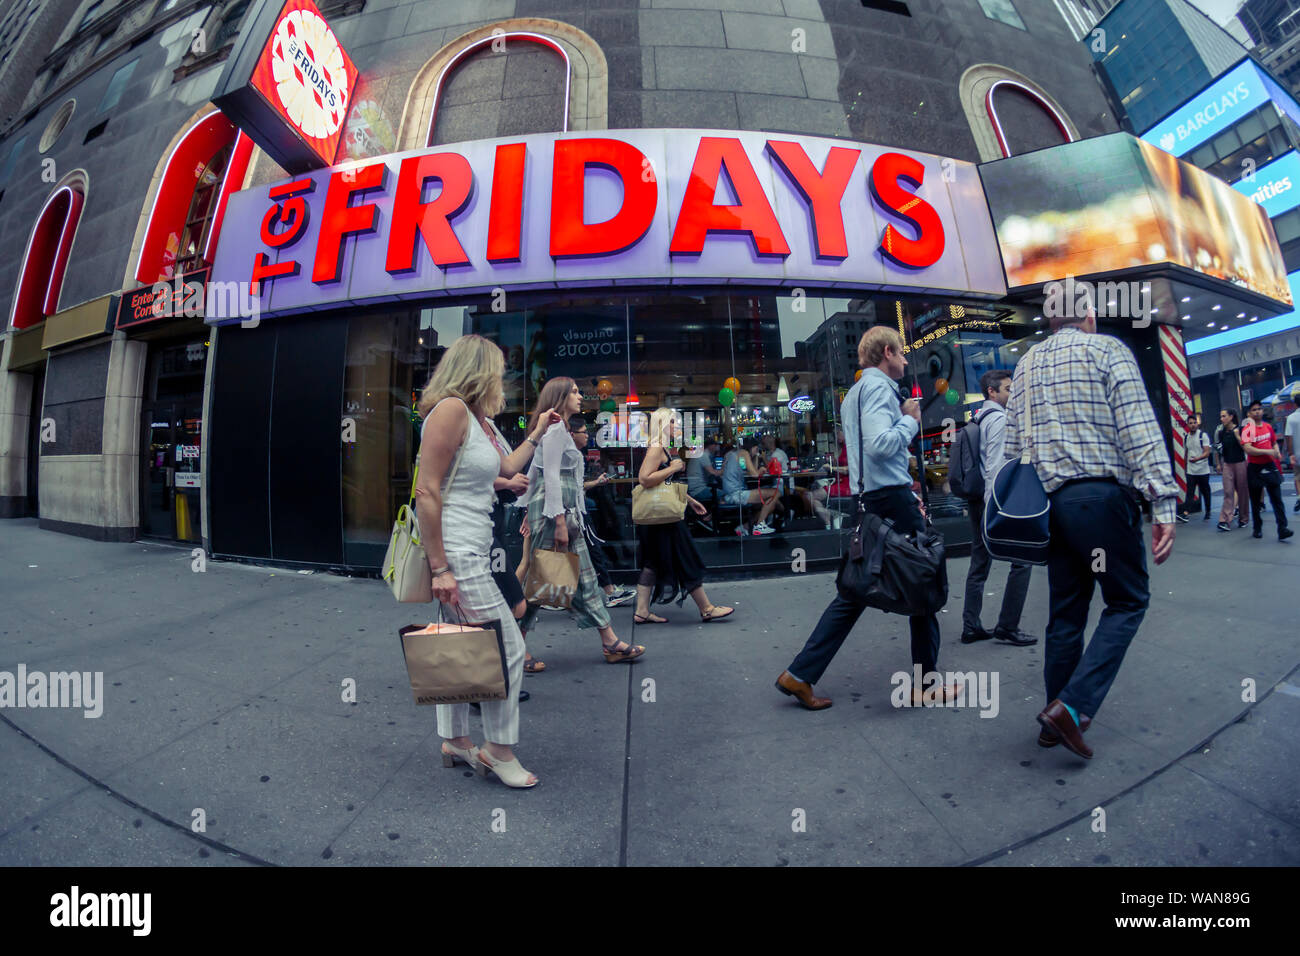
[(310, 79)]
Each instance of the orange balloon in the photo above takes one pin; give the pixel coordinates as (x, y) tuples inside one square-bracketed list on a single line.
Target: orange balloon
[(940, 386), (604, 389), (732, 383), (857, 375)]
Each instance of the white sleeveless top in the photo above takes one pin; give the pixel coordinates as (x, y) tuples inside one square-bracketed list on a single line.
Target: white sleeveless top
[(468, 500)]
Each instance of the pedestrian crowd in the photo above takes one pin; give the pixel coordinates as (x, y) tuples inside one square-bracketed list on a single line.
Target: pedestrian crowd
[(1092, 439)]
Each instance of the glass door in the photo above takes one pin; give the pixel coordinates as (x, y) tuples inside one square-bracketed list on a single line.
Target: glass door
[(170, 474)]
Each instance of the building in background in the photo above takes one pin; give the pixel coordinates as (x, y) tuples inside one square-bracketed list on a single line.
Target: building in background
[(126, 413), (1152, 54)]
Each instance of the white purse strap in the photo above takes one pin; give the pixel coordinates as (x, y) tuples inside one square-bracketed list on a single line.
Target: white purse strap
[(1027, 432), (460, 452)]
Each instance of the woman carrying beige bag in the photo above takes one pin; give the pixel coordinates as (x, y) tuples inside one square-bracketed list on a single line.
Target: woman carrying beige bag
[(557, 513), (456, 530), (670, 566)]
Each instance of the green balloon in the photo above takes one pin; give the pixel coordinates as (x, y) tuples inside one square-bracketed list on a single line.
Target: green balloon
[(726, 397), (952, 396), (609, 405)]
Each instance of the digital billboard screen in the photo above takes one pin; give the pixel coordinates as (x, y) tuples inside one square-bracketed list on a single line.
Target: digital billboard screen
[(1115, 203)]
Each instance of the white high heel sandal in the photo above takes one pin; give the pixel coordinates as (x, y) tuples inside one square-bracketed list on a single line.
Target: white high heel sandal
[(451, 753), (510, 772)]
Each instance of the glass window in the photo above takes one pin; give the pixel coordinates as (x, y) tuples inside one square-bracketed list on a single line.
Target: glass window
[(1003, 11), (116, 86)]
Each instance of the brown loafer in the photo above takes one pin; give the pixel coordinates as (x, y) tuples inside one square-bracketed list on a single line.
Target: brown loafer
[(1049, 738), (945, 695), (801, 691), (1058, 720)]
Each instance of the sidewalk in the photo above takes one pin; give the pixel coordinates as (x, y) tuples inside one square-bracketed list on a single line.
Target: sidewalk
[(223, 694)]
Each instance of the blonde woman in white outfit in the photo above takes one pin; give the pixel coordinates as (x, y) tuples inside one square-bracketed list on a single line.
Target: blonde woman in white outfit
[(456, 528)]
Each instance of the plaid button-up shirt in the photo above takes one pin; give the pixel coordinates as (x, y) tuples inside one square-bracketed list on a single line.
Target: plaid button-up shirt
[(1091, 418)]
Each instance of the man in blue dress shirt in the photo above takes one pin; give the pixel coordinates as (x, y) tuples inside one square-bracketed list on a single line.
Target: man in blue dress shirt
[(878, 430)]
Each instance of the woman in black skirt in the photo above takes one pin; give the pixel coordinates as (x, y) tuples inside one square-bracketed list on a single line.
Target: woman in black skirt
[(670, 566)]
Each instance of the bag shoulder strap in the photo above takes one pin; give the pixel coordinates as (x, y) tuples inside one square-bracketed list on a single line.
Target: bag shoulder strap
[(460, 452), (862, 445), (1026, 433)]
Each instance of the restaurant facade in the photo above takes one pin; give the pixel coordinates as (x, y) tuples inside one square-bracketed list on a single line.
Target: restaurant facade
[(701, 210)]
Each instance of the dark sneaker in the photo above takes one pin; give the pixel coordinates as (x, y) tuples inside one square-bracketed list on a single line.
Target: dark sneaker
[(1182, 518), (1224, 526), (979, 634), (1017, 637), (1257, 534), (1296, 509), (1284, 534)]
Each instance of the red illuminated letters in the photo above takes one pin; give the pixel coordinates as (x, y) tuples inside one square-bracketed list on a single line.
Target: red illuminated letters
[(341, 220), (822, 191), (506, 217), (752, 213), (431, 220), (570, 234), (927, 247), (289, 209)]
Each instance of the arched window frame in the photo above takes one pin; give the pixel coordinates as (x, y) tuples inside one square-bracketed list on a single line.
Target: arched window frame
[(71, 195), (154, 230), (465, 52), (991, 109)]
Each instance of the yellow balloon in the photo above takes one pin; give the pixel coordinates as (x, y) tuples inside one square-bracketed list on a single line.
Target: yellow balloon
[(857, 375)]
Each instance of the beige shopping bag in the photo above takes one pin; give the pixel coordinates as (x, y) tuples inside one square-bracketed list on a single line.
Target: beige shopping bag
[(455, 663), (552, 579)]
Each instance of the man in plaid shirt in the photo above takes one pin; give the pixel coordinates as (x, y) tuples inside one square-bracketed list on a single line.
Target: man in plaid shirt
[(1095, 446)]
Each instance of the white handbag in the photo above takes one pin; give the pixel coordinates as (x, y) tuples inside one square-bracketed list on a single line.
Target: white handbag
[(406, 566)]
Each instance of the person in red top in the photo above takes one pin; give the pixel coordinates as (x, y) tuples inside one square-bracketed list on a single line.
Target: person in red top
[(1263, 471)]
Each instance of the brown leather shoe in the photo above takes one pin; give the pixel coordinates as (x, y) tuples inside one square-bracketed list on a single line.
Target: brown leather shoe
[(1058, 720), (1049, 738), (802, 691)]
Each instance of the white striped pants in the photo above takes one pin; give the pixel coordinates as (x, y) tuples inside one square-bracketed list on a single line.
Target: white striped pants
[(480, 600)]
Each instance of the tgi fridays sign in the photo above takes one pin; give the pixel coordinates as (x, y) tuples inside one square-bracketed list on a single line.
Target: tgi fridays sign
[(289, 84), (626, 207)]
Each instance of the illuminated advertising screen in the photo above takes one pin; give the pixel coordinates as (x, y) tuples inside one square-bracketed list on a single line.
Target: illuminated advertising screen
[(1275, 186), (1116, 203)]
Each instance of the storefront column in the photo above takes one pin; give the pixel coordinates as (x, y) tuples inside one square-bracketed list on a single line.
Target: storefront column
[(15, 420), (122, 398)]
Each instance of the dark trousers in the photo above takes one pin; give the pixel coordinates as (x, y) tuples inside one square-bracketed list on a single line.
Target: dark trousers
[(1257, 485), (1198, 492), (1094, 525), (1013, 598), (899, 505)]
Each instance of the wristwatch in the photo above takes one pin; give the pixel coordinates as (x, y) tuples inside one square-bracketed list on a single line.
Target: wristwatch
[(529, 439)]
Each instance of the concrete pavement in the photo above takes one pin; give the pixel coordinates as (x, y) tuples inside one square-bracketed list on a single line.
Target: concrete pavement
[(223, 703)]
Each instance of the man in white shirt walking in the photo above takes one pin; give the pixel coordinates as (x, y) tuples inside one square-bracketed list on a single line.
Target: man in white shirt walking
[(1197, 449)]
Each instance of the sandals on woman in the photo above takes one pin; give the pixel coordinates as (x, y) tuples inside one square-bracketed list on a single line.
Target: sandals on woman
[(615, 656), (451, 754), (650, 618), (534, 666), (717, 613), (510, 772)]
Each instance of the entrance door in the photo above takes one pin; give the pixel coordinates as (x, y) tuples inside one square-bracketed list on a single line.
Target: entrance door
[(170, 475)]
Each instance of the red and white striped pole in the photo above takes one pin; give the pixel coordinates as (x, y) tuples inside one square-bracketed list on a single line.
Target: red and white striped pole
[(1179, 386)]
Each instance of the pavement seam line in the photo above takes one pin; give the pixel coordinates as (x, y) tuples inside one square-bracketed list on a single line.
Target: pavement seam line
[(627, 765), (1011, 847), (124, 799)]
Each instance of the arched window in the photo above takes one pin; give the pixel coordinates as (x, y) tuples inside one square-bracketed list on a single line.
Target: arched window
[(40, 280), (1009, 113), (1022, 119), (509, 84), (205, 164)]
